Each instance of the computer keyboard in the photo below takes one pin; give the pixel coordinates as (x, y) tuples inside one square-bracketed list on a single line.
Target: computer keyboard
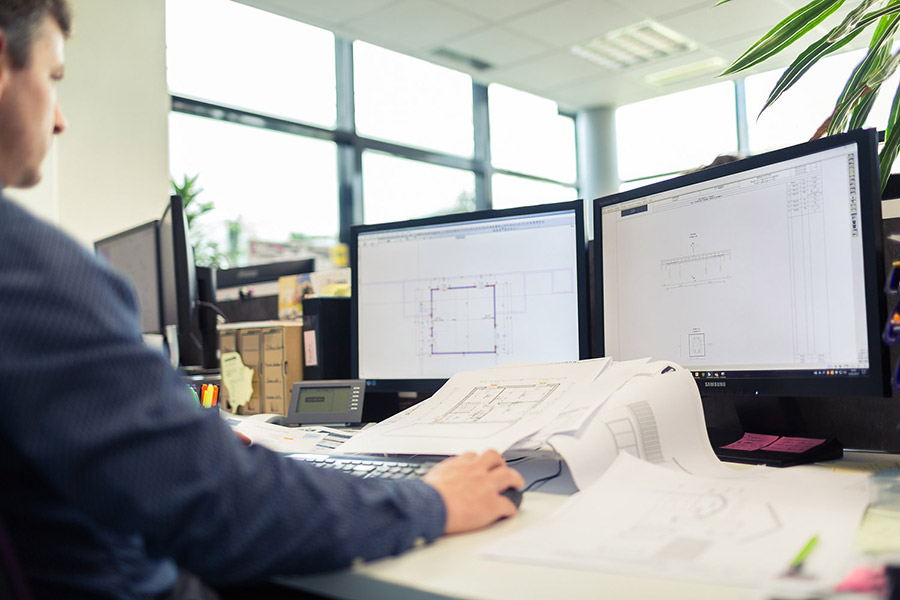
[(371, 466)]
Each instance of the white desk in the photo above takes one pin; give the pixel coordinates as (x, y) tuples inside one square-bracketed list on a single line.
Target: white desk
[(452, 568)]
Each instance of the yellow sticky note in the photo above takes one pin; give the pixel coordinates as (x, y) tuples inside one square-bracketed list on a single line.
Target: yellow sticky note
[(237, 379)]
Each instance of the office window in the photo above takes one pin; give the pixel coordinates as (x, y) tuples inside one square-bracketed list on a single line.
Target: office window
[(510, 191), (225, 52), (528, 135), (274, 194), (396, 189), (795, 117), (412, 102), (699, 123), (636, 183)]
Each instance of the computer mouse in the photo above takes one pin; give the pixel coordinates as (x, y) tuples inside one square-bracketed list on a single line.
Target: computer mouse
[(514, 495)]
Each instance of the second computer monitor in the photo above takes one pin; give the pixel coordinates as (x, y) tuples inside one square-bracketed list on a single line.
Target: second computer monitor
[(763, 277), (432, 297)]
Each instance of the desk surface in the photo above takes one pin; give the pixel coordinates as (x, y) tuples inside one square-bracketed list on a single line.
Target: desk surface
[(453, 568)]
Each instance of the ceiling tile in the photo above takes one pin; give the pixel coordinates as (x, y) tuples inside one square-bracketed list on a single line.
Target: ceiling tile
[(571, 22), (549, 71), (710, 24), (417, 23), (612, 91), (656, 9), (498, 46), (499, 10)]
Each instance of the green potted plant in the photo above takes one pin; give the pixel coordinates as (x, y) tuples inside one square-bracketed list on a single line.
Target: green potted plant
[(206, 252), (855, 101)]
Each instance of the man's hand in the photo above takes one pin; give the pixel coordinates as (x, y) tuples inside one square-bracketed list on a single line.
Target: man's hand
[(470, 486)]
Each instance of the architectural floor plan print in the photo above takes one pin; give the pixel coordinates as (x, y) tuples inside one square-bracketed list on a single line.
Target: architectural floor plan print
[(498, 404)]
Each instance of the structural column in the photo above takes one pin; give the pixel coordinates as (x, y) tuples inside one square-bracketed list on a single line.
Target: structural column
[(598, 169)]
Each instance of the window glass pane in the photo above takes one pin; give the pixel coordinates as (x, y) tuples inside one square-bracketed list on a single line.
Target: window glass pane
[(795, 116), (396, 189), (412, 102), (676, 132), (630, 185), (247, 58), (274, 195), (509, 191), (529, 135)]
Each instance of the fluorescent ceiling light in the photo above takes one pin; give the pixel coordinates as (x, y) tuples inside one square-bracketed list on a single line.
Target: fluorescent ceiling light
[(684, 72), (638, 44)]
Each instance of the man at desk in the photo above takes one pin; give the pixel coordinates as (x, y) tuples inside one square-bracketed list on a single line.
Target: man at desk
[(114, 483)]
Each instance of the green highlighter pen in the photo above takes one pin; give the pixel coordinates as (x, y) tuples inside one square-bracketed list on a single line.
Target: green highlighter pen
[(797, 563)]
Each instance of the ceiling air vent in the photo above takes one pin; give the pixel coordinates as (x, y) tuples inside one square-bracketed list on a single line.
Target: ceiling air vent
[(634, 45)]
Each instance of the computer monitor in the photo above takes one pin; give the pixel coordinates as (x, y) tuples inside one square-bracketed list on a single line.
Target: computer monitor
[(135, 254), (178, 282), (764, 277), (269, 272), (435, 296)]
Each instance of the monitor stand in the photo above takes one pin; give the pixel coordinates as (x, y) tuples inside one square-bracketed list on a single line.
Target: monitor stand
[(772, 432)]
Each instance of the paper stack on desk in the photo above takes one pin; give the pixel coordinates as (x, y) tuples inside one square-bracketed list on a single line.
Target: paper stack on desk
[(745, 530), (655, 499), (588, 411)]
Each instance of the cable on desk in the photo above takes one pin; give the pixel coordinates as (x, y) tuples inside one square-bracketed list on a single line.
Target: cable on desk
[(559, 464)]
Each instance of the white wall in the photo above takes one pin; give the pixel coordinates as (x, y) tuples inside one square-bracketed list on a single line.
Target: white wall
[(109, 170)]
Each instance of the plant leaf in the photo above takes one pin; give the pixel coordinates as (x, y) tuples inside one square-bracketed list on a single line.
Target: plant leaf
[(868, 69), (893, 7), (862, 109), (803, 63), (852, 19), (785, 33), (891, 140)]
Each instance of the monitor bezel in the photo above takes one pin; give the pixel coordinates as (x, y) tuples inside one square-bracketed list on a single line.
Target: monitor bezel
[(875, 382), (423, 386)]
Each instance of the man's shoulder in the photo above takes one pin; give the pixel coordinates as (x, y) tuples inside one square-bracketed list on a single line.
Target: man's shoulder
[(25, 238)]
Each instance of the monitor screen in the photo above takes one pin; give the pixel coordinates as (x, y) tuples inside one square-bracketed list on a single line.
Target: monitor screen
[(179, 280), (134, 254), (432, 297), (762, 276)]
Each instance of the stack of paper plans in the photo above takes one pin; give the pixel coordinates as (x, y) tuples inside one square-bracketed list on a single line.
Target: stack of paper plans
[(587, 411), (746, 529)]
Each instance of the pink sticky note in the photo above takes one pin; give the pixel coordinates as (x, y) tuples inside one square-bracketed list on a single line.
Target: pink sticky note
[(864, 580), (751, 442), (794, 444)]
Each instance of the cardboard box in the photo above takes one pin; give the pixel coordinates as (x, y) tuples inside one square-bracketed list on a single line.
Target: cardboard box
[(274, 350)]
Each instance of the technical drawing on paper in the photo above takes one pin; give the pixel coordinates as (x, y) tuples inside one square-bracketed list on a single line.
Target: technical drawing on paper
[(680, 525), (697, 345), (463, 319), (696, 269), (498, 404), (637, 430)]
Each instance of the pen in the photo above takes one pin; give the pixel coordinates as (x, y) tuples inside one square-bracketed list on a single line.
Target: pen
[(801, 557)]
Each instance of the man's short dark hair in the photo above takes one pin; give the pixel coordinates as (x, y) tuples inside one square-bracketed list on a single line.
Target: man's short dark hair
[(21, 19)]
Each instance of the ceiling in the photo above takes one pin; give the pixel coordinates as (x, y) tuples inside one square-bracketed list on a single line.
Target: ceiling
[(526, 44)]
